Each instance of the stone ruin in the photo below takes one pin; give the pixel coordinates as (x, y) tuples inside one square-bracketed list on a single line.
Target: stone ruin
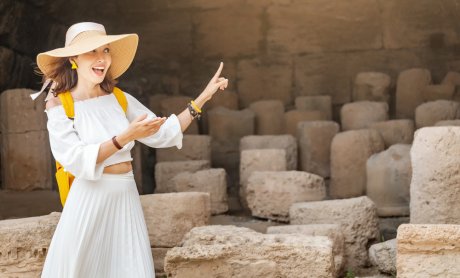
[(326, 189), (340, 123), (315, 179)]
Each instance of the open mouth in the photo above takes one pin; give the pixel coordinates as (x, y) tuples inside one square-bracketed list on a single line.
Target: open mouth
[(99, 71)]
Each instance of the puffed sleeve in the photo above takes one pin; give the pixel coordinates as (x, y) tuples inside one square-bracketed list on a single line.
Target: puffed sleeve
[(75, 156), (170, 133)]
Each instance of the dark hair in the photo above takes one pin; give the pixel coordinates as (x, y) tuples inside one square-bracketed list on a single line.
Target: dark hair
[(61, 72)]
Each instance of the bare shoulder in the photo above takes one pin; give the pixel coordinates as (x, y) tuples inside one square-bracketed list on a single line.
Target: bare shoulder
[(52, 102)]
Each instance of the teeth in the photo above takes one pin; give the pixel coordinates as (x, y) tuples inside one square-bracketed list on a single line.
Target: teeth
[(99, 68)]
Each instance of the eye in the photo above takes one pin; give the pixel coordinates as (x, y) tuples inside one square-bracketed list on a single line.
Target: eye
[(106, 50)]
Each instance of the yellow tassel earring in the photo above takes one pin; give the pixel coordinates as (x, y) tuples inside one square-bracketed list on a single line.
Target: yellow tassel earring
[(74, 65)]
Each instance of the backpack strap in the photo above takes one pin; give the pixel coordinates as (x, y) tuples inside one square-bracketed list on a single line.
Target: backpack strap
[(121, 98), (67, 103)]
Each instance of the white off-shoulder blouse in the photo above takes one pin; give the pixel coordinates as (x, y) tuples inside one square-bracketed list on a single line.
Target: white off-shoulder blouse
[(75, 144)]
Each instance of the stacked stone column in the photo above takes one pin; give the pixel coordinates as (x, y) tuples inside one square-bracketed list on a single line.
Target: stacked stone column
[(435, 185), (26, 157)]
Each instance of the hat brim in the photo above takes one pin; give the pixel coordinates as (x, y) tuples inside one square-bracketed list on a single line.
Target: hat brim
[(122, 49)]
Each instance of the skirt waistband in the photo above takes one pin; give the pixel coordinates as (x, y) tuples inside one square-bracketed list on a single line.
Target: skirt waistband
[(127, 175)]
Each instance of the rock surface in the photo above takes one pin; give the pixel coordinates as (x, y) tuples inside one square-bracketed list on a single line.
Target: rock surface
[(228, 251), (357, 217)]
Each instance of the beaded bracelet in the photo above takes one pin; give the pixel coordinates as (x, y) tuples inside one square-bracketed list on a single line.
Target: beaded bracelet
[(193, 112)]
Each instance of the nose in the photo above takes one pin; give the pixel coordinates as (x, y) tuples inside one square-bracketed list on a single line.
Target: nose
[(100, 57)]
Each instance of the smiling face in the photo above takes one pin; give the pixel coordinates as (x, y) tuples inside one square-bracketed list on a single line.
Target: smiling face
[(93, 65)]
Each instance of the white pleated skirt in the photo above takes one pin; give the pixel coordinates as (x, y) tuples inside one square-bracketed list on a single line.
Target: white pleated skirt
[(101, 232)]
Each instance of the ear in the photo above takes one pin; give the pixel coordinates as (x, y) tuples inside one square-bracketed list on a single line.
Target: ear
[(72, 58)]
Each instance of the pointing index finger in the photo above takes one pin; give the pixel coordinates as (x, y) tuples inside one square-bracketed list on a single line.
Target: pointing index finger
[(219, 70)]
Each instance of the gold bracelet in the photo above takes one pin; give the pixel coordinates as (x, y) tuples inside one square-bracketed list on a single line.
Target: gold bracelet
[(195, 106)]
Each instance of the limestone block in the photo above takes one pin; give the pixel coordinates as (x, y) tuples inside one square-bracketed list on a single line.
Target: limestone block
[(24, 243), (159, 255), (429, 113), (435, 185), (294, 117), (448, 123), (315, 140), (227, 127), (383, 255), (269, 116), (437, 92), (165, 171), (361, 114), (395, 131), (246, 221), (321, 74), (19, 114), (212, 181), (26, 161), (324, 74), (270, 194), (175, 105), (357, 217), (316, 26), (264, 80), (285, 142), (229, 251), (194, 147), (259, 160), (321, 103), (349, 153), (451, 78), (169, 216), (227, 98), (330, 230), (413, 24), (428, 251), (409, 91), (388, 180), (217, 33), (372, 86), (172, 29)]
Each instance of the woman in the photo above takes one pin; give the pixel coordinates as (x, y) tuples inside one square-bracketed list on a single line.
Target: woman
[(102, 230)]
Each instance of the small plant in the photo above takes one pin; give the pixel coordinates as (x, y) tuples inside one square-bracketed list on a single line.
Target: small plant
[(349, 274)]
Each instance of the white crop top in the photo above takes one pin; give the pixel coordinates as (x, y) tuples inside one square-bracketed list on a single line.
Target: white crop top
[(75, 144)]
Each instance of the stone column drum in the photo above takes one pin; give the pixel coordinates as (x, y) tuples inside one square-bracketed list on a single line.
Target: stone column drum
[(435, 185), (349, 153), (388, 180), (315, 139)]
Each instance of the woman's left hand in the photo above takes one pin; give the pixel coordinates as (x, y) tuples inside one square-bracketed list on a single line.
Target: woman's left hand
[(216, 83)]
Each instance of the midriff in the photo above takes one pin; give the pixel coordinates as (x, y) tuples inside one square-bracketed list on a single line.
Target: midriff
[(119, 168)]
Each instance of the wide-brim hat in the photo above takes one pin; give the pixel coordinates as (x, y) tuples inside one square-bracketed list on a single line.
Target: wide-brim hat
[(87, 36)]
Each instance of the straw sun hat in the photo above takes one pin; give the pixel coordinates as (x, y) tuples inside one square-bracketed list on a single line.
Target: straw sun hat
[(84, 37)]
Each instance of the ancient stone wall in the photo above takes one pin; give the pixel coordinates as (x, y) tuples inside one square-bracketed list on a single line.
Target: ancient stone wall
[(276, 49)]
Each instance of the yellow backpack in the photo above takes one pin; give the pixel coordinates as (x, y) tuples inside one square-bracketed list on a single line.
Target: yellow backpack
[(64, 178)]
